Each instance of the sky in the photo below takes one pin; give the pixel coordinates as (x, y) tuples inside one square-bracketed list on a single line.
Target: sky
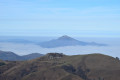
[(83, 18)]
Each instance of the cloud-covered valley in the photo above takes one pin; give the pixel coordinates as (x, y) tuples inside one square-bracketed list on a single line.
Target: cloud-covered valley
[(22, 49)]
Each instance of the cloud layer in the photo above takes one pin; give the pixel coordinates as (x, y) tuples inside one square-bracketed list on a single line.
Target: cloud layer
[(23, 49)]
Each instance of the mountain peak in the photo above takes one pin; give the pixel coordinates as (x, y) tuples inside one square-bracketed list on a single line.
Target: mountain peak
[(65, 37), (66, 41)]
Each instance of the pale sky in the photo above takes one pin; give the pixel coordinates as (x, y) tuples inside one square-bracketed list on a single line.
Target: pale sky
[(84, 18)]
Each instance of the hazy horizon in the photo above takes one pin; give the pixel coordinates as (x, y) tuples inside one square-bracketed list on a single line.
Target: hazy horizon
[(36, 21), (22, 48)]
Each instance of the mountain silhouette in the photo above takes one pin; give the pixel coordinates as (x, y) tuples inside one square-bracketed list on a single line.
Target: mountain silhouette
[(67, 41), (10, 56)]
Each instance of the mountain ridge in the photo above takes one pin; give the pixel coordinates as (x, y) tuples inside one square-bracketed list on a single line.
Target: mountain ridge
[(67, 41), (11, 56)]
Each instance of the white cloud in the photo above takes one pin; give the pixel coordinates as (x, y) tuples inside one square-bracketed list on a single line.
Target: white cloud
[(23, 49)]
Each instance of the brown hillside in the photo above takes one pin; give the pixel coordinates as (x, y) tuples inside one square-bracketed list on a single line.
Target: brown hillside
[(56, 66)]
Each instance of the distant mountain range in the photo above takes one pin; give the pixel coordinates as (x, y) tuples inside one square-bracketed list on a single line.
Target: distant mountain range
[(4, 55), (67, 41), (16, 41), (55, 66)]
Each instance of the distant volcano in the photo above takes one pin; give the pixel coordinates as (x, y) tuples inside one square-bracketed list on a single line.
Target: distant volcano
[(65, 37), (67, 41)]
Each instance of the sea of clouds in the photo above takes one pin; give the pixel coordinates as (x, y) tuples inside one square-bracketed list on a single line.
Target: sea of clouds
[(23, 49)]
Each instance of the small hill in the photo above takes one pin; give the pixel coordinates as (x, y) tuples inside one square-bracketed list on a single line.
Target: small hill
[(67, 41), (32, 56), (10, 56), (63, 67), (7, 55)]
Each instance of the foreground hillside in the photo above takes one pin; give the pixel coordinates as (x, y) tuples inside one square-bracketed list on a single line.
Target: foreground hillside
[(54, 66)]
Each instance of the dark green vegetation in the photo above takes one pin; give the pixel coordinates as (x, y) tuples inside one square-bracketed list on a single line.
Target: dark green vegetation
[(4, 55), (54, 66)]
